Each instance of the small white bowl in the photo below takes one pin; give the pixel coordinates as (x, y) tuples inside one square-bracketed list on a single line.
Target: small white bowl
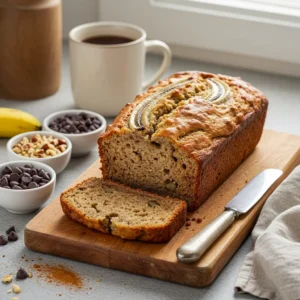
[(26, 201), (58, 162), (82, 143)]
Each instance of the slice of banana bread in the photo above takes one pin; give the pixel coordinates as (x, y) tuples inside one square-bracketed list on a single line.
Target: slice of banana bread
[(122, 211)]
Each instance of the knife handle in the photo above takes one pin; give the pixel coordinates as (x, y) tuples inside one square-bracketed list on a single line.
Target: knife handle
[(193, 249)]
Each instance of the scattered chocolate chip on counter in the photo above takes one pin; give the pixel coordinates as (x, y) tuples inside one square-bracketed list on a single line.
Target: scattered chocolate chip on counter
[(75, 124), (3, 240), (10, 229), (21, 274), (23, 178), (12, 237), (40, 147)]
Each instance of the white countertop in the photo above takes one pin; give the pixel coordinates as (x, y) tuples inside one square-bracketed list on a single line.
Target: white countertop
[(284, 115)]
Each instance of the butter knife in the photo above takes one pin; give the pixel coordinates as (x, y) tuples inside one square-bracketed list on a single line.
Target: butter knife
[(241, 203)]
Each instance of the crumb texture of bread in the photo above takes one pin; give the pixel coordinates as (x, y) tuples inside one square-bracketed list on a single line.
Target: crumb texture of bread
[(121, 211), (184, 136)]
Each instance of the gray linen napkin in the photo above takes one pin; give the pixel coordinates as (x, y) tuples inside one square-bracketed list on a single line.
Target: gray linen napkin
[(272, 269)]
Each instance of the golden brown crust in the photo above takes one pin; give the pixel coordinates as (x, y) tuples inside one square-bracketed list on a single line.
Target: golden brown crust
[(222, 135), (153, 233), (209, 120)]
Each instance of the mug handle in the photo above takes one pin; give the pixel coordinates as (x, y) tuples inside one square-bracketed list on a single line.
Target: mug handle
[(158, 45)]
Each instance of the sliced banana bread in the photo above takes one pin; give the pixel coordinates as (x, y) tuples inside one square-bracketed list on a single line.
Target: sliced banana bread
[(184, 136), (122, 211)]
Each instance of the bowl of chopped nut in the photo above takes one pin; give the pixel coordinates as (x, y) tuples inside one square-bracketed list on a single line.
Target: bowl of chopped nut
[(50, 148), (25, 186), (81, 127)]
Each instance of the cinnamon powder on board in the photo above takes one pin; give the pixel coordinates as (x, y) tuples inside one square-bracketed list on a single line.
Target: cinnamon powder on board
[(59, 275)]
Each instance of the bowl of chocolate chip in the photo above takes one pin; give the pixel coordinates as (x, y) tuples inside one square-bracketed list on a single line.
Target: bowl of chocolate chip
[(25, 186), (50, 148), (81, 127)]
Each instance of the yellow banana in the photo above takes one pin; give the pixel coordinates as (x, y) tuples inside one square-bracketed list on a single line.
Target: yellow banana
[(14, 121)]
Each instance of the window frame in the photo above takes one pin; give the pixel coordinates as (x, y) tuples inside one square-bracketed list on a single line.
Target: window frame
[(271, 38)]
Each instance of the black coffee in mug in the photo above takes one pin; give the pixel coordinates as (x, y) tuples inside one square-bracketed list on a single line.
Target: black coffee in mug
[(107, 40), (107, 61)]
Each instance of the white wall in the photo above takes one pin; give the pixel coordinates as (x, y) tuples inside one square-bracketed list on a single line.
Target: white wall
[(76, 12)]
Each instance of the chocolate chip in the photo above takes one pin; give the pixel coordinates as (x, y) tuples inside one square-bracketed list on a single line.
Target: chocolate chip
[(72, 129), (67, 127), (88, 123), (42, 184), (7, 170), (83, 115), (33, 185), (24, 187), (16, 187), (26, 179), (3, 240), (41, 172), (17, 170), (4, 181), (30, 166), (14, 183), (37, 178), (32, 172), (10, 229), (6, 187), (92, 128), (12, 237), (82, 128), (54, 127), (45, 180), (14, 177), (21, 274), (69, 122), (44, 174)]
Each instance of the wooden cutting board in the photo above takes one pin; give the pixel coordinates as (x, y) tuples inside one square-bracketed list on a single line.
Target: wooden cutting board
[(52, 232)]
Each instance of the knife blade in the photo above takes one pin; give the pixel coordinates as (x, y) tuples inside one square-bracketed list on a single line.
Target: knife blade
[(241, 203)]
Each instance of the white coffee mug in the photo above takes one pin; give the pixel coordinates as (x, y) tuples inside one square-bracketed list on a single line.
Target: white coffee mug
[(106, 77)]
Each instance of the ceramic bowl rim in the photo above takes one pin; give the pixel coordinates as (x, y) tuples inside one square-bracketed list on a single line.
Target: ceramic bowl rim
[(13, 140), (42, 165), (74, 110)]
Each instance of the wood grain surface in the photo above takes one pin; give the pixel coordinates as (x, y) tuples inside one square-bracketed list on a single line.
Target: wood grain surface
[(53, 233), (31, 46)]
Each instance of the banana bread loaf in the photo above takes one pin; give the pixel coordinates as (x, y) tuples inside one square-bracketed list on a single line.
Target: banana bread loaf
[(119, 210), (184, 136)]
